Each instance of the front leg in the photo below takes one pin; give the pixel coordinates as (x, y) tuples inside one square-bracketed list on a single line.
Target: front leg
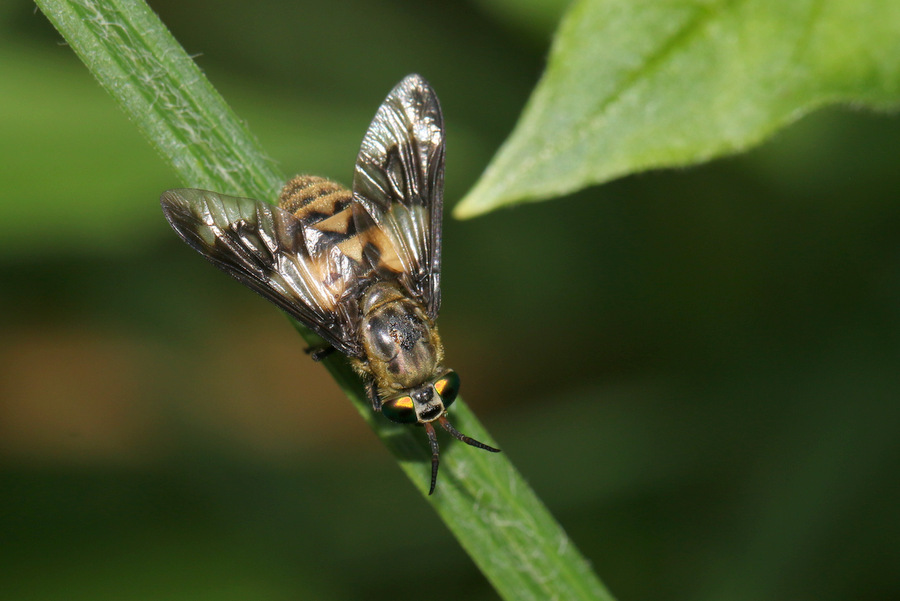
[(318, 352), (372, 394)]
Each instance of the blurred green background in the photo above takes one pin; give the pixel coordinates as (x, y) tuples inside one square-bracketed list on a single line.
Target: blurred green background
[(697, 370)]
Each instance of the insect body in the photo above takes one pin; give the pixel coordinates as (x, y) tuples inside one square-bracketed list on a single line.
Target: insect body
[(361, 268)]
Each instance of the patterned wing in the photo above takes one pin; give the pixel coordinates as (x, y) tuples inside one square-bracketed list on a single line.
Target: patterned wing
[(272, 252), (398, 187)]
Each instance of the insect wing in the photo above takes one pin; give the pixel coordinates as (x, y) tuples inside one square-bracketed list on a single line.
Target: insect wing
[(398, 186), (267, 249)]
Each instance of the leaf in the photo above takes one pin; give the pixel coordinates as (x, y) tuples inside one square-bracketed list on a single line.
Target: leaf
[(638, 84), (481, 497)]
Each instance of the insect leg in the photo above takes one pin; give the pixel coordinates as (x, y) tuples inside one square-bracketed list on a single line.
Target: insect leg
[(372, 394), (318, 352)]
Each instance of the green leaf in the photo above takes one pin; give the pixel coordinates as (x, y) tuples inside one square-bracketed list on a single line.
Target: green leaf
[(640, 84), (481, 497)]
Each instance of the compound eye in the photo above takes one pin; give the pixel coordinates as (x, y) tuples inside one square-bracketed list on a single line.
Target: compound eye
[(400, 409), (447, 387)]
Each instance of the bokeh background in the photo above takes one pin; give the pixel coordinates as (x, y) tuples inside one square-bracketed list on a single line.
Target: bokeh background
[(697, 370)]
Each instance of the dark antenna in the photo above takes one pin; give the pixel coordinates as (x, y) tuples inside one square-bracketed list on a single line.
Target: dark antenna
[(435, 454), (459, 436)]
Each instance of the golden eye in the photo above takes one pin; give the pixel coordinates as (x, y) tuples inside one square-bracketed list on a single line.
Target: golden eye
[(447, 387), (400, 410)]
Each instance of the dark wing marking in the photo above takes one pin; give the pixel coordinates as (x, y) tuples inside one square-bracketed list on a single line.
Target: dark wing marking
[(398, 185), (270, 251)]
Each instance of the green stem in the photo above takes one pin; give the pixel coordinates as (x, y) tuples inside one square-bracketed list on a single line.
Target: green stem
[(481, 497)]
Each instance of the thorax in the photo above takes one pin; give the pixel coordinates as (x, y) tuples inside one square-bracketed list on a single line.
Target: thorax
[(401, 343)]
